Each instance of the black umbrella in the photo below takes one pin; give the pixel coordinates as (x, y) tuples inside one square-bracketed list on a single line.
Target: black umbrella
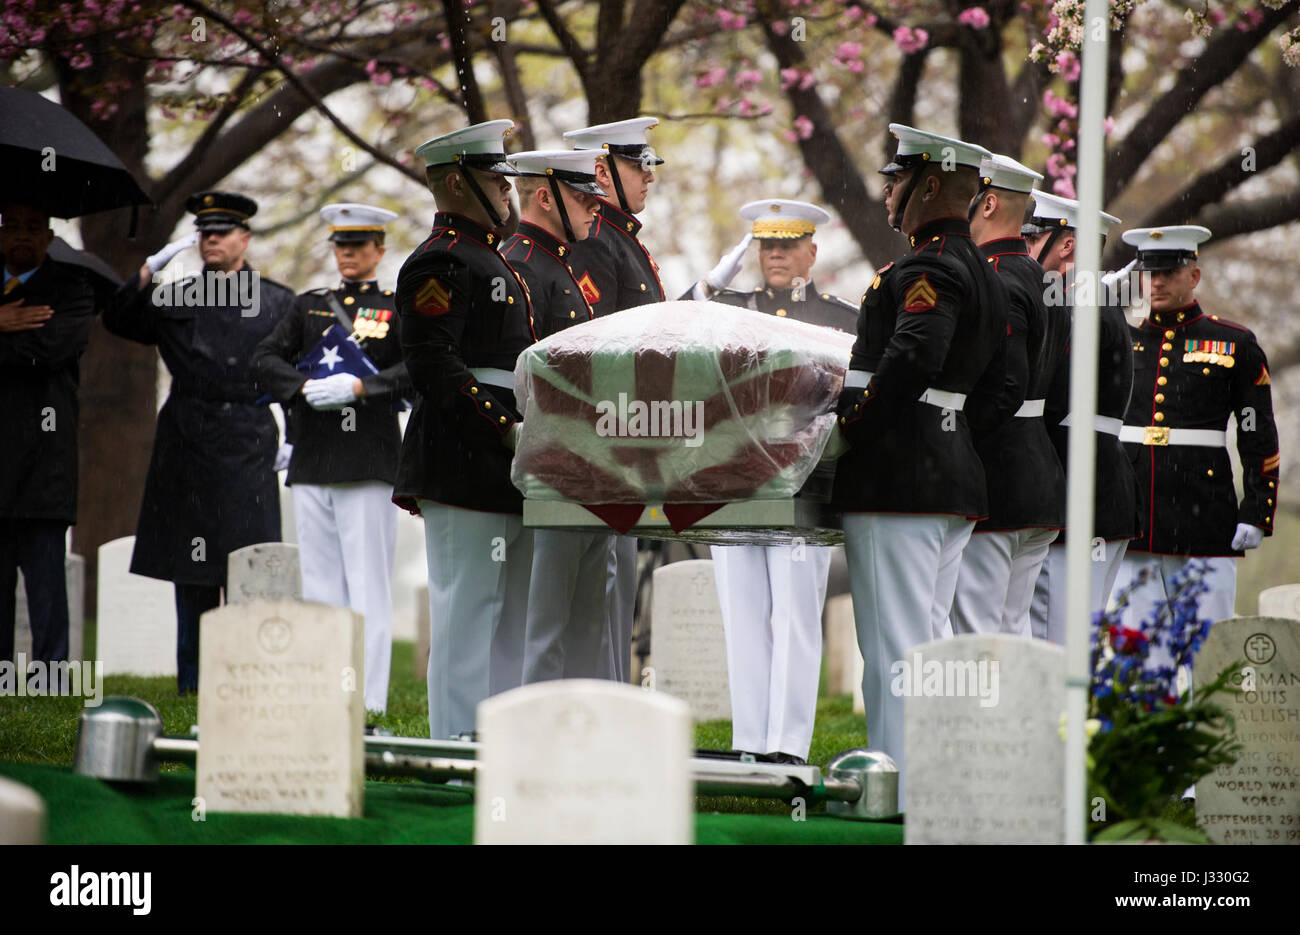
[(101, 275), (51, 159)]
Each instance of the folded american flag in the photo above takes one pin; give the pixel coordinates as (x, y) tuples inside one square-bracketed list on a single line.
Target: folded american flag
[(335, 353), (676, 403)]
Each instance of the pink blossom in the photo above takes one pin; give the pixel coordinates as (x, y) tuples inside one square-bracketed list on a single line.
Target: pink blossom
[(780, 27), (1067, 65), (80, 61), (1068, 144), (729, 20), (789, 77), (975, 17), (852, 15), (1064, 188), (243, 18), (1216, 15), (748, 78), (1250, 18), (910, 40), (1108, 126), (746, 108), (803, 127), (712, 74), (1056, 164), (1051, 140)]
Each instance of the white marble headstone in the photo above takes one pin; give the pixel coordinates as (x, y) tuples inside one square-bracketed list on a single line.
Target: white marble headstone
[(281, 709), (136, 621), (1281, 601), (22, 814), (688, 646), (74, 569), (1257, 799), (267, 570), (584, 761), (984, 761)]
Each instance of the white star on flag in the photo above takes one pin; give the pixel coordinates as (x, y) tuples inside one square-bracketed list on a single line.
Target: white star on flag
[(331, 357)]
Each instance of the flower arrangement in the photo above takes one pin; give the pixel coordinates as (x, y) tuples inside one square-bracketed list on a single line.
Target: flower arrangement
[(1150, 741)]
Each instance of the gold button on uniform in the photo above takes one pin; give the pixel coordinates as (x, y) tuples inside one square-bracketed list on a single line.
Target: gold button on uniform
[(1168, 334), (473, 390), (510, 300), (503, 420), (1160, 397), (1166, 346), (1160, 416), (572, 313), (348, 300), (1206, 371), (1210, 472), (780, 313), (643, 287), (1270, 485), (489, 406), (1270, 502), (1162, 380), (1164, 361)]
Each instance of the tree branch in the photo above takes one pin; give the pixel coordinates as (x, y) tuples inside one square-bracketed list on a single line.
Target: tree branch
[(1234, 218), (568, 41), (1212, 185), (509, 69), (1221, 58), (302, 87), (471, 98)]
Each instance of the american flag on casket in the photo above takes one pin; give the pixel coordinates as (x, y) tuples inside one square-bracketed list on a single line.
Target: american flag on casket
[(676, 403)]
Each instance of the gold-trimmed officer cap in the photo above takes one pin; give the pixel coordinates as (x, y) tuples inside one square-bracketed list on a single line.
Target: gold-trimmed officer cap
[(355, 223), (1052, 212), (479, 146), (781, 219), (1167, 247), (576, 168), (918, 147), (220, 211), (999, 171), (626, 138)]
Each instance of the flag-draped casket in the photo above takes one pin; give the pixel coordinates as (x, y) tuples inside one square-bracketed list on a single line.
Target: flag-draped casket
[(677, 403)]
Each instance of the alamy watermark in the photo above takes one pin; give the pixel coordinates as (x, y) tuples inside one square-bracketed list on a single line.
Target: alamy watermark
[(37, 678), (1085, 288), (659, 418), (211, 288), (950, 678)]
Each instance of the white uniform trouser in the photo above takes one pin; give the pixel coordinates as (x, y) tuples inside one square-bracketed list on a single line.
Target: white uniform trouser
[(347, 534), (566, 622), (771, 599), (1047, 613), (479, 565), (1215, 604), (902, 572), (620, 609), (996, 581)]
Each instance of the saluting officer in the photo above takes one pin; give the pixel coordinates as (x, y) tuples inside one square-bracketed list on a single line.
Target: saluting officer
[(786, 254), (345, 434), (1191, 371), (1051, 233), (465, 318), (616, 272), (566, 599), (772, 596), (930, 333), (1026, 484), (211, 486)]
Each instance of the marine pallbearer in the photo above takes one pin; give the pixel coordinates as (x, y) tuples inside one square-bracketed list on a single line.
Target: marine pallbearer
[(616, 272), (465, 317), (1026, 484), (927, 375)]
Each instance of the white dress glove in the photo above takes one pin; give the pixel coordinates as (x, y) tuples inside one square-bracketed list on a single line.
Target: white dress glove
[(1247, 537), (1108, 281), (721, 275), (330, 392), (511, 438), (164, 256), (282, 456)]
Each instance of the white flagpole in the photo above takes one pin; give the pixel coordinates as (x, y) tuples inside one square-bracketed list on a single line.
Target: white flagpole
[(1083, 409)]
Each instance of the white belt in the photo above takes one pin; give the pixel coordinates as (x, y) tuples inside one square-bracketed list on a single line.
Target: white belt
[(858, 379), (494, 376), (1107, 424), (1030, 408), (1159, 435)]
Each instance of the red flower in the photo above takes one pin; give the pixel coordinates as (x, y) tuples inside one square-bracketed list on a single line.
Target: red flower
[(1127, 641)]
